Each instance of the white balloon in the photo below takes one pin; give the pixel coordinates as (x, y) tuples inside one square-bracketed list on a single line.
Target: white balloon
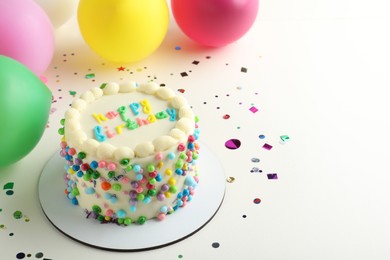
[(58, 11)]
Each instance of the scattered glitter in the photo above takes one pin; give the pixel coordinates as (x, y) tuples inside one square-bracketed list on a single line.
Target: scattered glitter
[(257, 201), (284, 138), (215, 244), (195, 62), (253, 109), (90, 75), (184, 74), (226, 116), (261, 136), (181, 90), (178, 48), (244, 69), (18, 214), (230, 179), (233, 144), (255, 160), (272, 176), (9, 186), (267, 146)]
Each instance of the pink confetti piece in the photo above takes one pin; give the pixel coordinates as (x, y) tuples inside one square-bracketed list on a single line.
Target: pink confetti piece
[(253, 109), (267, 146)]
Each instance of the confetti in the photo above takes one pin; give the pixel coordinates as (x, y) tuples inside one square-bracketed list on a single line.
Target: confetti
[(233, 144), (244, 69), (72, 93), (284, 138), (253, 109), (215, 244), (181, 90), (261, 136), (18, 214), (230, 179), (257, 201), (178, 48), (9, 186), (90, 75), (272, 176), (255, 169), (226, 116), (255, 160), (121, 68), (267, 146), (195, 62), (184, 74)]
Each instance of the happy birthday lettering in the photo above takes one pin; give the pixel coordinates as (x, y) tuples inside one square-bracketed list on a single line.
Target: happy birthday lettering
[(102, 133)]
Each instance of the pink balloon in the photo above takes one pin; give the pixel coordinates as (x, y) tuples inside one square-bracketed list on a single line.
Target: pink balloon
[(26, 34), (215, 22)]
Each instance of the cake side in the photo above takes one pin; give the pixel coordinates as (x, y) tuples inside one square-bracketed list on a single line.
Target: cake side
[(130, 152)]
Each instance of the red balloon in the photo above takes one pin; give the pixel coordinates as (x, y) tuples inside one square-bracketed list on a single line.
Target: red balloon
[(215, 22)]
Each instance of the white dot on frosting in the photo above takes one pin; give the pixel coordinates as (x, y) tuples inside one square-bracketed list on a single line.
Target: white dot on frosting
[(78, 137), (127, 86), (144, 149), (148, 88), (97, 92), (90, 146), (79, 104), (178, 134), (72, 113), (123, 153), (88, 96), (163, 143), (186, 125), (165, 93), (111, 88), (105, 151), (71, 125), (178, 102), (186, 112)]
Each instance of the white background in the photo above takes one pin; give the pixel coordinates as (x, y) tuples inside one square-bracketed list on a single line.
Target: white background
[(321, 73)]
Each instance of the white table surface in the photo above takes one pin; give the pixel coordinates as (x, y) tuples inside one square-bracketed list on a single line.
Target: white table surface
[(318, 71)]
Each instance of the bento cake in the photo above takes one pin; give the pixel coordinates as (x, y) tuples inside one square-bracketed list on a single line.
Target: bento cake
[(130, 152)]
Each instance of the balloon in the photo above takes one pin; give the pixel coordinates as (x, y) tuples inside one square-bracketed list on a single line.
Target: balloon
[(59, 11), (24, 107), (26, 34), (123, 31), (215, 22)]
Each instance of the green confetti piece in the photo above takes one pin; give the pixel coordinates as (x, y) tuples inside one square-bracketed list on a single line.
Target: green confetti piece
[(72, 93), (284, 138), (8, 186), (90, 75)]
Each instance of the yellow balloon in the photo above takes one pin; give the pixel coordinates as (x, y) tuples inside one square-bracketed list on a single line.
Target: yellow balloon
[(123, 31)]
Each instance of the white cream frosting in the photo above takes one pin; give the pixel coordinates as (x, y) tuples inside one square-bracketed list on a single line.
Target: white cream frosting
[(147, 139)]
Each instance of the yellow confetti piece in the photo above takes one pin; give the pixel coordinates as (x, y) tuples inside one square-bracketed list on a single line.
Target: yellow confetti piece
[(230, 179)]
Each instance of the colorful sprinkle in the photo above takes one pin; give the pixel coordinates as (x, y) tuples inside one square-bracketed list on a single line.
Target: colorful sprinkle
[(215, 245), (267, 146)]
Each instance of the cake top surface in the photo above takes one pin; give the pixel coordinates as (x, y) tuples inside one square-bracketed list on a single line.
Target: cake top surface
[(128, 120)]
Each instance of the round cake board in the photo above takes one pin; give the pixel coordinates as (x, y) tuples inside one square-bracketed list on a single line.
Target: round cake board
[(71, 220)]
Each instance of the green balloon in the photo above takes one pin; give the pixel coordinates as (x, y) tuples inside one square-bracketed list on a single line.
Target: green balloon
[(24, 110)]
